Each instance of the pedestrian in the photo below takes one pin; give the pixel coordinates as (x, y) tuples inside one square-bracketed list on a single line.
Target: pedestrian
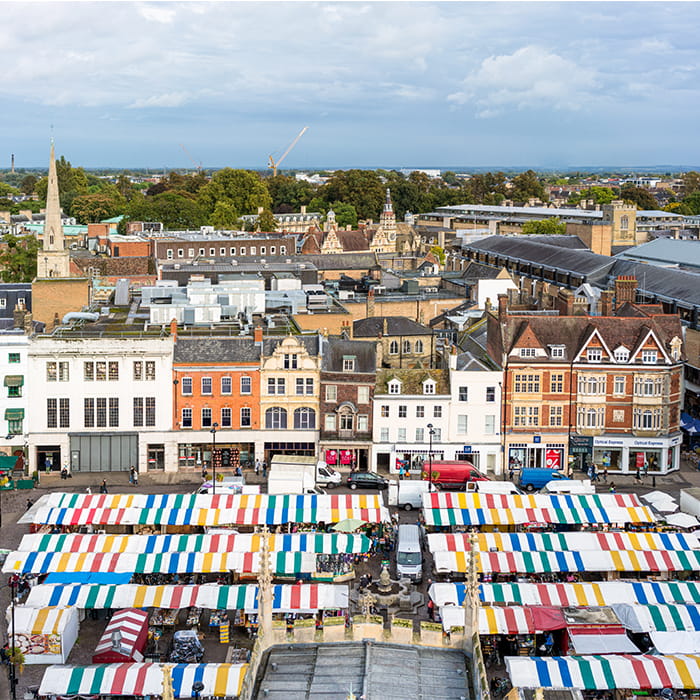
[(88, 491), (257, 467), (132, 475), (605, 474), (612, 487), (30, 503), (431, 609), (103, 486), (264, 468), (637, 476)]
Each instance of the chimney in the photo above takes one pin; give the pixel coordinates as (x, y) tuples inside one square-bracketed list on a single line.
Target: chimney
[(487, 304), (28, 323), (303, 208), (565, 302), (625, 290), (385, 326), (379, 353), (370, 303), (607, 297), (260, 210), (502, 307), (18, 316), (258, 336), (350, 329), (173, 329)]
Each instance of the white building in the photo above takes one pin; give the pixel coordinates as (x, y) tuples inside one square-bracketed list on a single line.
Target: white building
[(14, 400), (101, 403)]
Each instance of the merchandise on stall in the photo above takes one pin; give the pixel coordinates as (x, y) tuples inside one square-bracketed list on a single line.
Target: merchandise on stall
[(45, 635), (187, 648)]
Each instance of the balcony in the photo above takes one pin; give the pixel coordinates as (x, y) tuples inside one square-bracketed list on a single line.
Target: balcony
[(349, 435)]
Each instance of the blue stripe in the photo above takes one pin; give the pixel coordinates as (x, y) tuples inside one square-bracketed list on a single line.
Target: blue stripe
[(31, 558), (543, 678), (640, 593), (198, 676), (150, 545), (666, 541), (276, 597), (74, 593), (580, 566), (481, 592), (462, 592), (694, 615), (177, 674), (561, 561), (55, 596), (658, 592), (563, 665)]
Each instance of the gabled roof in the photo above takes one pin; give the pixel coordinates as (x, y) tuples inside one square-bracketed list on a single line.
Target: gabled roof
[(412, 380), (335, 350), (395, 326), (310, 342), (207, 350)]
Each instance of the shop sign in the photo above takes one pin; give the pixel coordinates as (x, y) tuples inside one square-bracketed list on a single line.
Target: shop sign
[(331, 457), (676, 440), (346, 456), (580, 444), (553, 459), (649, 443), (537, 439), (609, 442), (467, 449)]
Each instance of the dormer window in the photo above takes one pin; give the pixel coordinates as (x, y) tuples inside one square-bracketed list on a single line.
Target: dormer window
[(622, 354), (394, 386), (556, 351), (527, 352), (676, 348), (429, 386), (650, 357), (594, 355), (348, 363)]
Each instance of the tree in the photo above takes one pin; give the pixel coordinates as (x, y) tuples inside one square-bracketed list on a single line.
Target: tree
[(288, 192), (691, 182), (345, 215), (7, 191), (18, 258), (361, 188), (175, 211), (224, 216), (439, 253), (642, 198), (600, 195), (72, 182), (266, 221), (691, 204), (90, 208), (28, 184), (243, 190), (527, 186), (450, 178), (544, 227)]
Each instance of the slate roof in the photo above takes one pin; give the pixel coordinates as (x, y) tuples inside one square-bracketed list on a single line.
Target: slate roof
[(395, 325), (563, 241), (335, 349), (353, 241), (477, 271), (667, 284), (203, 350), (412, 380), (666, 251), (310, 342)]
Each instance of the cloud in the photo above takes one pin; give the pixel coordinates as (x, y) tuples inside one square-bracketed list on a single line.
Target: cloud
[(169, 99), (157, 13), (531, 77)]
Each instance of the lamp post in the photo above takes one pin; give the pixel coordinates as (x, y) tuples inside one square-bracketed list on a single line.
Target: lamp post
[(213, 457), (13, 662), (197, 688), (431, 432)]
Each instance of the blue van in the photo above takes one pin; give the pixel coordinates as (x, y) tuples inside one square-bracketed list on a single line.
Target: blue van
[(531, 479)]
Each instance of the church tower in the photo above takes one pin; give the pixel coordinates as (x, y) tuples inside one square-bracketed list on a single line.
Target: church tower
[(54, 259), (387, 220)]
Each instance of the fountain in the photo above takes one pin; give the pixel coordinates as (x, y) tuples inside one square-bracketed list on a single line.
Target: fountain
[(388, 595)]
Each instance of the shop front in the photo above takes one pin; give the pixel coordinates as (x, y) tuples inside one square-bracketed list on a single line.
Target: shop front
[(536, 455), (230, 455), (344, 455), (629, 454)]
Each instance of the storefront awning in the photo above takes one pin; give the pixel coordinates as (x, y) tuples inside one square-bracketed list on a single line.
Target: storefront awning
[(634, 672), (129, 679), (604, 639), (14, 380), (659, 618), (14, 414)]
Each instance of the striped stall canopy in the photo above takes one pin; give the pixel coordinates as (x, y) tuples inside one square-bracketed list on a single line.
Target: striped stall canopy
[(321, 543), (614, 672), (460, 500), (205, 510), (132, 626), (510, 620), (29, 620), (658, 618), (219, 680), (170, 563), (572, 594), (564, 541), (286, 597)]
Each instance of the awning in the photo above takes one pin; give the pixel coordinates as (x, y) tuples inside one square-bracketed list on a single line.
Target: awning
[(285, 597), (676, 642), (14, 414), (219, 680), (14, 380), (604, 639), (29, 620), (132, 625), (638, 672), (103, 578), (659, 618)]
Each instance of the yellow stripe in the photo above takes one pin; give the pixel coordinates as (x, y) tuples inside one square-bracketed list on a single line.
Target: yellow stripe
[(491, 622), (580, 593), (140, 596), (207, 562), (40, 619), (158, 592), (241, 676), (683, 672), (255, 543), (461, 561), (598, 593), (617, 560), (634, 557), (64, 563), (221, 680)]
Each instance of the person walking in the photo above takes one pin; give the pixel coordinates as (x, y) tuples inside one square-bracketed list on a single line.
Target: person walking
[(257, 467), (264, 470), (612, 487), (605, 474), (103, 486), (132, 477)]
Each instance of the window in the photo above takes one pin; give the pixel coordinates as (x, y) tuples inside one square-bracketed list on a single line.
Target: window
[(14, 392), (222, 251), (489, 424), (138, 412), (622, 354), (206, 386), (245, 417), (186, 421), (362, 394), (394, 386), (14, 426), (462, 425), (648, 386), (650, 357), (101, 412), (526, 415), (420, 411), (556, 351), (527, 352), (464, 393), (276, 418), (420, 434), (437, 434), (283, 250), (305, 419), (401, 435), (330, 421), (331, 392), (64, 413), (419, 347), (618, 415), (246, 385), (201, 251), (403, 411), (385, 411), (384, 435), (101, 371), (150, 371), (556, 383), (113, 412), (290, 361), (304, 386), (362, 422), (89, 371), (187, 386), (263, 250), (253, 250), (429, 386), (113, 371), (437, 411), (180, 253), (527, 384), (273, 249), (490, 394), (150, 411), (242, 250), (346, 421), (51, 371), (212, 252), (394, 347), (619, 386), (591, 384), (556, 416), (206, 418), (407, 347), (169, 253), (275, 385), (591, 417), (13, 358), (63, 375), (138, 370), (52, 413), (89, 413), (226, 417), (349, 364), (594, 354), (624, 222), (226, 385), (190, 252)]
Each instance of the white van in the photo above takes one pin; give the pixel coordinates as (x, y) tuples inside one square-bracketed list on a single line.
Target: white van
[(409, 555), (570, 486), (408, 494), (493, 487)]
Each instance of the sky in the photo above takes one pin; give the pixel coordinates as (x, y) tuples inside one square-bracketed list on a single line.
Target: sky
[(379, 84)]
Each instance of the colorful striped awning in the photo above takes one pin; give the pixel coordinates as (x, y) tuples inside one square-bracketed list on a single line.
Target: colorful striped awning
[(170, 563), (321, 543), (49, 620), (285, 597), (220, 680), (132, 625), (614, 672), (205, 510), (659, 618), (572, 594)]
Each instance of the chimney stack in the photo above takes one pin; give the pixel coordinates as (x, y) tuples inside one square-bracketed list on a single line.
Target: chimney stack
[(565, 302), (607, 307), (173, 329), (370, 303), (502, 307), (18, 316), (385, 326), (625, 290), (258, 336)]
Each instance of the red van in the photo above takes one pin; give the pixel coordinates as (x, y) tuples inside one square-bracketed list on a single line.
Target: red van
[(454, 474)]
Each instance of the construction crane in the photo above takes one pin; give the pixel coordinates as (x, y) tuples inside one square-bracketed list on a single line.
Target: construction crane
[(273, 165), (196, 164)]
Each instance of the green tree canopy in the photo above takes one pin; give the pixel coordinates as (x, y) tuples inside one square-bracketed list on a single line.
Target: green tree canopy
[(527, 186), (72, 182), (363, 189), (90, 208), (544, 227), (600, 195), (28, 184), (224, 216), (175, 211), (266, 221), (243, 190), (639, 196), (18, 258), (691, 182), (288, 194)]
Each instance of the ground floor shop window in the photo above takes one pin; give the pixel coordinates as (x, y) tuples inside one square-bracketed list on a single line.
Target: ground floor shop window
[(644, 460), (156, 457), (607, 459)]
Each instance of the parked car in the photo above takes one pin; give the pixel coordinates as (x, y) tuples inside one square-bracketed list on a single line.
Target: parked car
[(535, 478), (367, 480)]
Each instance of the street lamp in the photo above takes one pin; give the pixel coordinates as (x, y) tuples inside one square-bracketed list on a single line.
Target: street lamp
[(213, 457), (431, 432), (13, 657), (197, 688)]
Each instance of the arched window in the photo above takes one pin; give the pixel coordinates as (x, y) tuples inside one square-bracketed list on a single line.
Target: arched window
[(419, 347), (624, 222), (276, 418), (394, 347), (406, 347), (305, 419)]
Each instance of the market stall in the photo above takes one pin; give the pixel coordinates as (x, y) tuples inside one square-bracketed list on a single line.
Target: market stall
[(45, 636), (124, 638), (142, 679), (658, 618)]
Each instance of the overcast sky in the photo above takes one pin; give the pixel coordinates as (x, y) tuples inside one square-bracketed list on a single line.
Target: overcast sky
[(395, 84)]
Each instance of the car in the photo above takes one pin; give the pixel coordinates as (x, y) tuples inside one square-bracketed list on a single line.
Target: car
[(367, 480)]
